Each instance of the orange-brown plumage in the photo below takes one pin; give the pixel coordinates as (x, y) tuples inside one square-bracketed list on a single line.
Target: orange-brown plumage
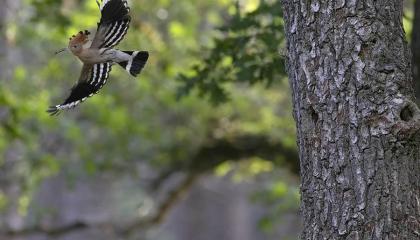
[(80, 38), (77, 41)]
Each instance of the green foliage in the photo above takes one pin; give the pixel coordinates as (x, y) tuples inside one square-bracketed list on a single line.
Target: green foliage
[(139, 121), (244, 170), (279, 197), (50, 11), (408, 17), (247, 49), (131, 118)]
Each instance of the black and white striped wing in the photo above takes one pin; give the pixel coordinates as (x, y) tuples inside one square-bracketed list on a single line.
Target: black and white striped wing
[(92, 79), (113, 25)]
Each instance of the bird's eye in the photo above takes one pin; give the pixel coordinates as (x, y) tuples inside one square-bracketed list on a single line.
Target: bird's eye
[(74, 46)]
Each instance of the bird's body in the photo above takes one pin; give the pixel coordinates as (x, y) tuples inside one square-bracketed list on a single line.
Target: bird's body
[(99, 56), (94, 56)]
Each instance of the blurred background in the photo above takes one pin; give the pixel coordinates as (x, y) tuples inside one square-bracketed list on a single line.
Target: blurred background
[(200, 147)]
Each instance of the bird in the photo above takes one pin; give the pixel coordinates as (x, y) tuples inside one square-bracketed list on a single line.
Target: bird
[(98, 55)]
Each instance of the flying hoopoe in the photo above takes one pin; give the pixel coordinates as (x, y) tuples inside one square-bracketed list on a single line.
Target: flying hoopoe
[(99, 57)]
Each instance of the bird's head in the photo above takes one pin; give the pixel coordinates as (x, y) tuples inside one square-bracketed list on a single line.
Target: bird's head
[(77, 41)]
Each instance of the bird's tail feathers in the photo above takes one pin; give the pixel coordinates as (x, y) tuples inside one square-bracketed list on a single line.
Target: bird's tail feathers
[(136, 63)]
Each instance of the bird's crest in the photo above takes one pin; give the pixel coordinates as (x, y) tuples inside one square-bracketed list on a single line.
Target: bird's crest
[(81, 37)]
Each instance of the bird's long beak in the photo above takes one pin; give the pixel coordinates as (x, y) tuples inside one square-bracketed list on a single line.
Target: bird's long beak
[(61, 50)]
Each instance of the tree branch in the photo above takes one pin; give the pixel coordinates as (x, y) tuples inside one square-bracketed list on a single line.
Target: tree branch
[(52, 232), (172, 199), (162, 211), (235, 148), (207, 158)]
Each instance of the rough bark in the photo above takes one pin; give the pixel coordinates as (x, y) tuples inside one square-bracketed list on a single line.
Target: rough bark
[(415, 48), (358, 128)]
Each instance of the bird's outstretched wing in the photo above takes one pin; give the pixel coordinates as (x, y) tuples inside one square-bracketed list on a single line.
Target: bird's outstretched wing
[(92, 79), (113, 25)]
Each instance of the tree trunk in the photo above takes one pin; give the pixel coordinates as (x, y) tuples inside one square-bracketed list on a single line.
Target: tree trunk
[(415, 48), (358, 127)]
